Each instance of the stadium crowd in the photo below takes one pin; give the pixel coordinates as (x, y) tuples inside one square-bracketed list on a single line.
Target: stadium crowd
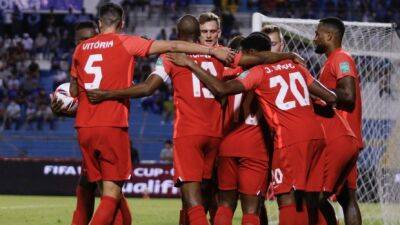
[(26, 38)]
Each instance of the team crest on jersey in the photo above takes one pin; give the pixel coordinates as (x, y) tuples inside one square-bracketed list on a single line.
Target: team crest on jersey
[(244, 74), (344, 67)]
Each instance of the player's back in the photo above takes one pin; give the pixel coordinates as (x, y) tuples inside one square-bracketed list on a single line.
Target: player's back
[(105, 62), (285, 100), (243, 133), (197, 112)]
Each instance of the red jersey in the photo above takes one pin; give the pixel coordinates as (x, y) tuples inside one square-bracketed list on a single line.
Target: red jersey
[(244, 136), (197, 112), (282, 93), (338, 65), (105, 62)]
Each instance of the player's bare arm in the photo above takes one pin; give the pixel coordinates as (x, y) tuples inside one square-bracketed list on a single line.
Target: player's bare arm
[(318, 90), (73, 88), (159, 47), (346, 93), (267, 57), (146, 88), (217, 87)]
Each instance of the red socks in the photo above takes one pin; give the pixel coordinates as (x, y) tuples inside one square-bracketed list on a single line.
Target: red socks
[(250, 219), (84, 205), (123, 214), (289, 216), (197, 216), (126, 212), (183, 217), (105, 212), (223, 216)]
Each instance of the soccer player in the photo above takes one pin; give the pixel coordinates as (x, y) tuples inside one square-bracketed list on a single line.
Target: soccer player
[(282, 90), (198, 120), (85, 191), (275, 34), (106, 61), (242, 153), (339, 74)]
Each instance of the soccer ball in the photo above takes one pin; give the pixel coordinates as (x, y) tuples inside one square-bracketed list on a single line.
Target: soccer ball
[(70, 104)]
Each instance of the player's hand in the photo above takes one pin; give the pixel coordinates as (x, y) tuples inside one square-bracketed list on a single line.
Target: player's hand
[(224, 54), (298, 59), (55, 104), (179, 59), (96, 95)]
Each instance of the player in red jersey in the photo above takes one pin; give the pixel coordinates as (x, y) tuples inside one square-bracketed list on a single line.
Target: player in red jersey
[(340, 75), (198, 120), (243, 152), (85, 191), (106, 61), (282, 91)]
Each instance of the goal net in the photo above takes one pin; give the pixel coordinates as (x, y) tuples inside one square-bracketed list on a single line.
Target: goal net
[(376, 50)]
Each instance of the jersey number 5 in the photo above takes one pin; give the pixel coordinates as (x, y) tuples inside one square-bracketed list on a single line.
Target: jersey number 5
[(280, 99), (95, 70), (208, 66)]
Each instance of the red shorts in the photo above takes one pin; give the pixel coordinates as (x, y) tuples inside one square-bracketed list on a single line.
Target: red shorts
[(194, 158), (298, 167), (247, 175), (105, 152), (351, 180), (340, 156)]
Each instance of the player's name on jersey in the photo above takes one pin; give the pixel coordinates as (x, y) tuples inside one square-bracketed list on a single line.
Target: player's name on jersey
[(272, 68), (97, 45), (200, 56)]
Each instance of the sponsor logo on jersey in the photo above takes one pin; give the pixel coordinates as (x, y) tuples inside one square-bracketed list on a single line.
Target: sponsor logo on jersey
[(244, 74)]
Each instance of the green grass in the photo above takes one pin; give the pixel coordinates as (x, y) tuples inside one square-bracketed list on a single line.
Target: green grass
[(38, 210)]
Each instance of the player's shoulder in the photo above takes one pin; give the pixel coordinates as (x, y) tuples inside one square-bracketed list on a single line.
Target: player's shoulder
[(342, 54)]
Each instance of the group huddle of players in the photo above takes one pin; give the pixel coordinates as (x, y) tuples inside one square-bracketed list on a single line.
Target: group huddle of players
[(245, 117)]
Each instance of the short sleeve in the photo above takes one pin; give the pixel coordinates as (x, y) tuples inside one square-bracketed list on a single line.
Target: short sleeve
[(252, 78), (343, 65), (136, 46), (306, 74), (162, 68), (74, 63)]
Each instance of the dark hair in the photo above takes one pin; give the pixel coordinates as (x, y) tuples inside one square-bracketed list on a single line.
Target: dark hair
[(269, 28), (188, 26), (85, 24), (235, 42), (111, 14), (209, 16), (335, 23), (257, 41), (168, 142)]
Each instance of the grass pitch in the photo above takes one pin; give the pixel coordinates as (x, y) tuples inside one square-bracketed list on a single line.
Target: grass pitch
[(43, 210)]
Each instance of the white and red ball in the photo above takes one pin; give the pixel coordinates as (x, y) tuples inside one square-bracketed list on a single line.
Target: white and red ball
[(70, 104)]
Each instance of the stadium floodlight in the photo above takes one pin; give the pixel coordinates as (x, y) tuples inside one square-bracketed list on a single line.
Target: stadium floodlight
[(376, 50)]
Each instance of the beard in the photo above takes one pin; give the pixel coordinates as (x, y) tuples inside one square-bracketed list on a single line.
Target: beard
[(320, 49)]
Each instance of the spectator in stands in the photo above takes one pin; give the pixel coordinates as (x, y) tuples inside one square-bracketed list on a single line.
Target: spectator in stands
[(12, 115), (43, 115), (30, 116), (70, 19), (173, 35), (166, 154), (40, 44), (34, 20), (60, 76), (27, 42), (83, 16), (162, 35)]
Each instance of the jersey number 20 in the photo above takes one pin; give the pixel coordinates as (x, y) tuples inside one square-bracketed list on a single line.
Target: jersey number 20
[(280, 99), (95, 70)]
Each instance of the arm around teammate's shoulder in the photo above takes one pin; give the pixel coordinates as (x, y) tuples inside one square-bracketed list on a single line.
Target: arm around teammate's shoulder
[(146, 88)]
